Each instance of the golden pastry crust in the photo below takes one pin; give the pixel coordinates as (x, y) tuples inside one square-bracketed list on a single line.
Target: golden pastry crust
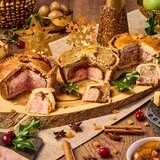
[(122, 40), (42, 63), (134, 49), (78, 59), (10, 67), (151, 41)]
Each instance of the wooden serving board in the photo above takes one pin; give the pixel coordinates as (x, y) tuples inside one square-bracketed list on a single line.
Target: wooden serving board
[(69, 108)]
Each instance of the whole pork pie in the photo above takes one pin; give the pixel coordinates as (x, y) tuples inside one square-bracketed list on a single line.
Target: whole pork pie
[(26, 71)]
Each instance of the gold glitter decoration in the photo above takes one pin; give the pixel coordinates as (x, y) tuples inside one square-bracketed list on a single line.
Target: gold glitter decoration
[(15, 12), (112, 22), (81, 34), (37, 37)]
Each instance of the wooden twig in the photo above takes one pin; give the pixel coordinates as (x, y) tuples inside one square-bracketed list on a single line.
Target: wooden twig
[(68, 150)]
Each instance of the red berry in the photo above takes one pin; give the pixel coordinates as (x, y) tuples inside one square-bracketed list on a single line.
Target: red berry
[(10, 33), (12, 134), (139, 115), (20, 44), (8, 137), (104, 152)]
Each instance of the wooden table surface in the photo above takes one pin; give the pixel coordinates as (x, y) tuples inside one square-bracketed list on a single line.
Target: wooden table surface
[(89, 150)]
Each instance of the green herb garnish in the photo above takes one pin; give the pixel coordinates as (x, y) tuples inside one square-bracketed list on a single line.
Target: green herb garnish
[(23, 138), (70, 88), (150, 30), (126, 80)]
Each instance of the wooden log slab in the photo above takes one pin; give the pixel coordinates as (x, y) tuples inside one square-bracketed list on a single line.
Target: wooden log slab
[(11, 113), (68, 109)]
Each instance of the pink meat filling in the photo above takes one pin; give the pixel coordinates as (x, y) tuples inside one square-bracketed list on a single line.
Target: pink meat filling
[(92, 73), (92, 95), (26, 80), (8, 154), (37, 105), (81, 74)]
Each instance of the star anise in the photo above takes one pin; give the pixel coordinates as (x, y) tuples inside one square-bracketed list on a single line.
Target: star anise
[(59, 134), (76, 126)]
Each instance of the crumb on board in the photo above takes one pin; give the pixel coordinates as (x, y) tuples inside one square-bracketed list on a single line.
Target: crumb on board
[(96, 144), (115, 111), (13, 111), (97, 127), (130, 122), (146, 124), (114, 151), (114, 118), (69, 134)]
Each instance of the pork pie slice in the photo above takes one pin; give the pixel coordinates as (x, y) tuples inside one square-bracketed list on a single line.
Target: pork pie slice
[(88, 62), (149, 49), (149, 74), (26, 71), (9, 154), (99, 92), (41, 101)]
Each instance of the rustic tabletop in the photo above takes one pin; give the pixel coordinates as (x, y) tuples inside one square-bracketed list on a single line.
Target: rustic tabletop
[(137, 22), (83, 143)]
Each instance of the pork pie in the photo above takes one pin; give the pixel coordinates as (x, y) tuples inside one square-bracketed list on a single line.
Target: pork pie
[(99, 92), (87, 62), (134, 49), (41, 101), (26, 71), (149, 74)]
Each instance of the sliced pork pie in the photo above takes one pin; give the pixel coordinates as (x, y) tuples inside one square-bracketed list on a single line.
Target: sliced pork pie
[(41, 101), (26, 71), (9, 154), (149, 74), (99, 92), (88, 62)]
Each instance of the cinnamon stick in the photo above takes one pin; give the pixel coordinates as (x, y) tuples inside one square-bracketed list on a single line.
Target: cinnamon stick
[(67, 150), (124, 129)]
